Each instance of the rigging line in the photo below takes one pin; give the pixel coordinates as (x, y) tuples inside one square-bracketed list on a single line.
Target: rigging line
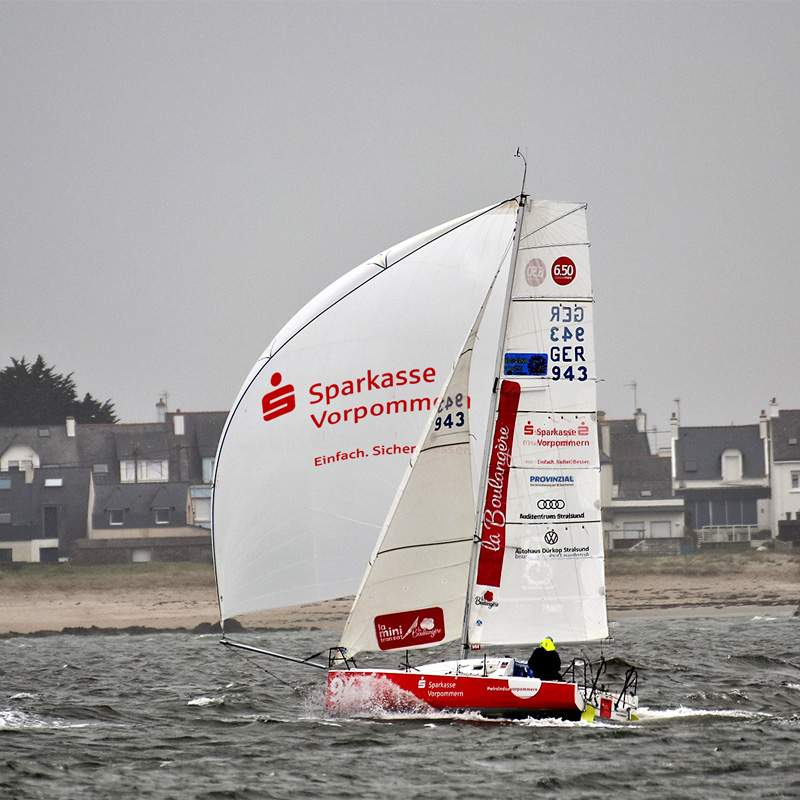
[(580, 207), (548, 522), (259, 667), (262, 651), (443, 444), (426, 544), (560, 244)]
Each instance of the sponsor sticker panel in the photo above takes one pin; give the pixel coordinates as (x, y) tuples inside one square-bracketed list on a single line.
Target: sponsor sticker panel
[(553, 272), (546, 497), (558, 541), (556, 441), (410, 628)]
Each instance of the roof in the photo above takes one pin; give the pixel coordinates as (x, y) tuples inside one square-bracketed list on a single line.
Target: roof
[(626, 440), (785, 434), (649, 477), (138, 500), (54, 447), (638, 475), (698, 451)]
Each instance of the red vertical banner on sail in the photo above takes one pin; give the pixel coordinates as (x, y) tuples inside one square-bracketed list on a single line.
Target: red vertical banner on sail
[(493, 529)]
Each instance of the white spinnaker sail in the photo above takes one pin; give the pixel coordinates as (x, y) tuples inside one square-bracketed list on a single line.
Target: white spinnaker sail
[(324, 426), (540, 564), (412, 594)]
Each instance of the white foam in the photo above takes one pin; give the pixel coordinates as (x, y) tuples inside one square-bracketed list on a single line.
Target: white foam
[(682, 712), (11, 719), (207, 701)]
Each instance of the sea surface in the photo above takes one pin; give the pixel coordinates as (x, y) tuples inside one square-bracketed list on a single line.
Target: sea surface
[(172, 715)]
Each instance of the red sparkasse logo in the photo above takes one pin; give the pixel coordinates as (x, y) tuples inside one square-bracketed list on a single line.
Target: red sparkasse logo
[(279, 401), (409, 628)]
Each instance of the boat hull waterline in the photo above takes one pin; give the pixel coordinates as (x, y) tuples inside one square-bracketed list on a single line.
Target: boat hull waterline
[(470, 686)]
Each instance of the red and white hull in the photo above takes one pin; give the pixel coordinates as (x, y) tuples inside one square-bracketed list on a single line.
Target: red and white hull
[(487, 687)]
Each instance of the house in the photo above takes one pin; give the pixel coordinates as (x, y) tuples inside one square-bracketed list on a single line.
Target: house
[(92, 493), (640, 511), (42, 511), (723, 475), (785, 475)]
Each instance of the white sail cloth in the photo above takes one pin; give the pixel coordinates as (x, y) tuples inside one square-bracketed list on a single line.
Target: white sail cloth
[(325, 424), (543, 571)]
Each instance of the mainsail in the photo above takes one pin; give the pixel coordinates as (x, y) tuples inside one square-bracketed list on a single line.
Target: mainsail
[(326, 422), (540, 563)]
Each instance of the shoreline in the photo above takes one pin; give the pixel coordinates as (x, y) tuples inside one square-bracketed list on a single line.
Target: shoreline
[(39, 601), (710, 611)]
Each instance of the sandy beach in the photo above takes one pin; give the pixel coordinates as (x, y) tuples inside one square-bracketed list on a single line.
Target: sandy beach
[(182, 596)]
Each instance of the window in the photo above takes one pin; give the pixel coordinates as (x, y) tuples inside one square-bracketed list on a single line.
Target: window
[(795, 481), (44, 432), (732, 466), (162, 516), (144, 471), (660, 530), (208, 469), (50, 522), (5, 483), (100, 469), (141, 555), (116, 516), (53, 481), (5, 518), (633, 530)]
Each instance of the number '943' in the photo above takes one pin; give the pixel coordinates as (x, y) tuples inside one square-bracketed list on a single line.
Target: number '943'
[(569, 374)]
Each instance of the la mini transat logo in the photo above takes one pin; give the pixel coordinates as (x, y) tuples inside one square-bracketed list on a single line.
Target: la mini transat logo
[(279, 401), (408, 628)]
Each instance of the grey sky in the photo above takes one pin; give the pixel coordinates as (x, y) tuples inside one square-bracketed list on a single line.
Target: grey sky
[(179, 178)]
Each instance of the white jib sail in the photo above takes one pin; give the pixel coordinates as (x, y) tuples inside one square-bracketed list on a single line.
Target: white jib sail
[(540, 562), (412, 594), (324, 426)]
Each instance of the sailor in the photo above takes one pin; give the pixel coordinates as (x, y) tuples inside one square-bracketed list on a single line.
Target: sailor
[(545, 663)]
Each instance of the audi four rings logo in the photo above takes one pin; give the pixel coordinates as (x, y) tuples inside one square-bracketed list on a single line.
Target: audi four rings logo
[(550, 504)]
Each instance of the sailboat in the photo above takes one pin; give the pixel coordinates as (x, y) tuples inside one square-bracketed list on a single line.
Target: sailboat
[(431, 416)]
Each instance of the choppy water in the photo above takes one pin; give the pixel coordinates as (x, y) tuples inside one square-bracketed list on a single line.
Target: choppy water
[(178, 716)]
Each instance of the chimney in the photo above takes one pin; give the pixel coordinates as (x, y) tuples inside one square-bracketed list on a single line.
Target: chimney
[(177, 424), (763, 421), (641, 420), (673, 426), (70, 427), (161, 410), (773, 408)]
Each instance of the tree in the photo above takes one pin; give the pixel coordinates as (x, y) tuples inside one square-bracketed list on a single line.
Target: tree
[(35, 394)]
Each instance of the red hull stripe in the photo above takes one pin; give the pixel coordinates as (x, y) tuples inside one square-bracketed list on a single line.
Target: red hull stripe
[(402, 690)]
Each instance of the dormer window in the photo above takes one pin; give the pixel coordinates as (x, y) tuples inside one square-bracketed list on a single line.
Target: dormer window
[(732, 466), (144, 471)]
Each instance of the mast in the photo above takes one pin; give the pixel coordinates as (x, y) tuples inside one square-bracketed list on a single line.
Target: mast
[(476, 539)]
